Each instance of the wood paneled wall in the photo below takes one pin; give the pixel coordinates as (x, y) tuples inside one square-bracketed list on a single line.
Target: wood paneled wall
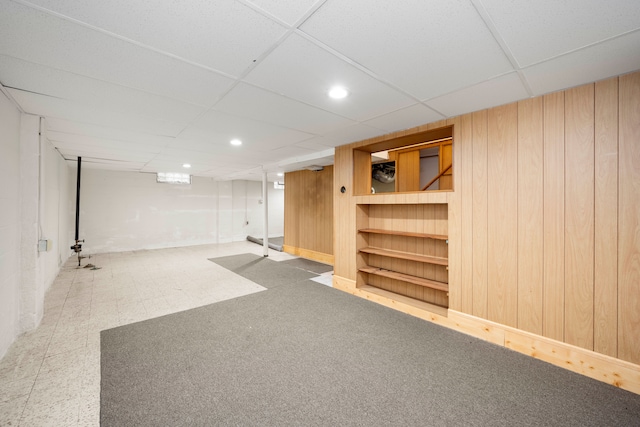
[(308, 210), (544, 220)]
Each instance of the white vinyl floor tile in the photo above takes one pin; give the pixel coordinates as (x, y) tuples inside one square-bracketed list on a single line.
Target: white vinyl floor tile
[(51, 376)]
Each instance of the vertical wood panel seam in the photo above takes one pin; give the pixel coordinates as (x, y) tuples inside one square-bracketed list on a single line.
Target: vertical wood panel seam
[(471, 138), (517, 287), (564, 218), (617, 349), (593, 255), (544, 217)]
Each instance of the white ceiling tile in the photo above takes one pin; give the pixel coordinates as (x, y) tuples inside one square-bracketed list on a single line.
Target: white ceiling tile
[(354, 133), (90, 131), (133, 83), (617, 56), (542, 29), (105, 164), (29, 34), (501, 90), (426, 48), (318, 143), (36, 78), (406, 118), (289, 11), (219, 129), (259, 104), (97, 153), (303, 71), (203, 144), (165, 163), (175, 166), (54, 107), (288, 152), (223, 34), (181, 155), (68, 141)]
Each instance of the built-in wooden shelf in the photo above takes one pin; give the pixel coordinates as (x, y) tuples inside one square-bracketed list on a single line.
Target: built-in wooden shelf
[(390, 262), (406, 256), (404, 233), (427, 283), (397, 298)]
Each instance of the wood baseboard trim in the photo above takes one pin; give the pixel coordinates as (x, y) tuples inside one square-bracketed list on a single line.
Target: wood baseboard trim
[(309, 254), (610, 370), (423, 310), (616, 372), (344, 284)]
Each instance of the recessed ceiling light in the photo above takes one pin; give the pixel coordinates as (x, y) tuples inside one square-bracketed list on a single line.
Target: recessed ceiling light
[(186, 165), (338, 92), (236, 142), (280, 174)]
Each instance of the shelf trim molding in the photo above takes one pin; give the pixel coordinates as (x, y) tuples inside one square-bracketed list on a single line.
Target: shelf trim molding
[(406, 256), (404, 233)]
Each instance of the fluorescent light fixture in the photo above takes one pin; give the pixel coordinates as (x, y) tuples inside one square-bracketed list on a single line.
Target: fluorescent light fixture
[(236, 142), (338, 92), (173, 178), (186, 165)]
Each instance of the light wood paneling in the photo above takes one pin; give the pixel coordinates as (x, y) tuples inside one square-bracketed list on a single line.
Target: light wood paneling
[(480, 214), (362, 172), (465, 186), (292, 211), (629, 220), (553, 242), (553, 258), (579, 214), (345, 215), (446, 157), (408, 171), (309, 213), (324, 205), (530, 214), (307, 201), (605, 307), (441, 215), (503, 214), (455, 222)]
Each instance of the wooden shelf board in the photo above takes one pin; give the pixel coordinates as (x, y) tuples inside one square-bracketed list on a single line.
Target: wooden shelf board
[(406, 256), (394, 298), (432, 284), (404, 233)]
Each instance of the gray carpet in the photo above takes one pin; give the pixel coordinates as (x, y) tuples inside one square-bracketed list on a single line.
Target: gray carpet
[(263, 271), (275, 243), (303, 354), (308, 265)]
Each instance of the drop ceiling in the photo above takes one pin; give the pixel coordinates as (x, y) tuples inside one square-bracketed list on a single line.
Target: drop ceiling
[(149, 85)]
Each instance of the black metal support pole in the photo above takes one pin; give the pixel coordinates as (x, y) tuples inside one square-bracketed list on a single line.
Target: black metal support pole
[(78, 210), (78, 199), (78, 247)]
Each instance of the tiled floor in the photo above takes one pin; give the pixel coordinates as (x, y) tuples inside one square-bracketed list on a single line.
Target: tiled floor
[(51, 376)]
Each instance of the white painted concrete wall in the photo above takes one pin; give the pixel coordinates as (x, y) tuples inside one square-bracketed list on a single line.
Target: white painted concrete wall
[(9, 223), (248, 210), (34, 200), (57, 216), (123, 211), (31, 283), (44, 216)]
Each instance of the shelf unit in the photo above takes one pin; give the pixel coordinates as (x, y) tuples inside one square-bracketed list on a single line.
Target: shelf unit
[(402, 249)]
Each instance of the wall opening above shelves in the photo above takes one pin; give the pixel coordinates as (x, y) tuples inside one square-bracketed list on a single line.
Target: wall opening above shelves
[(412, 163)]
